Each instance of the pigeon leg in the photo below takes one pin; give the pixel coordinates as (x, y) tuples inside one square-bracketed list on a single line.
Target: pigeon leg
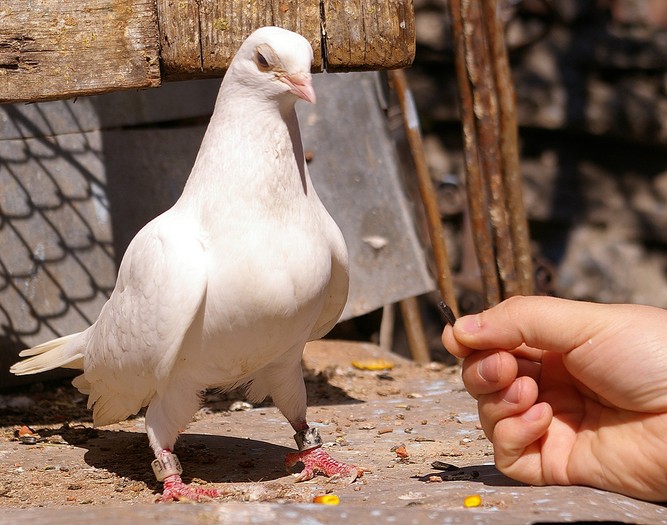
[(168, 469), (284, 382), (315, 460), (164, 417)]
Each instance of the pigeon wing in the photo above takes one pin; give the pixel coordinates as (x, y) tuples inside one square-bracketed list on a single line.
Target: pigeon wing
[(337, 289), (134, 344)]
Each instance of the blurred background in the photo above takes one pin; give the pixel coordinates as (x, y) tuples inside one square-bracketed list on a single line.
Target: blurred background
[(591, 85)]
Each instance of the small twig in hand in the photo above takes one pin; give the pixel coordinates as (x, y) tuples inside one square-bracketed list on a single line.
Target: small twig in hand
[(447, 311)]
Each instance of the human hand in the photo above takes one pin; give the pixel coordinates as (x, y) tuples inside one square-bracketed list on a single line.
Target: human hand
[(570, 393)]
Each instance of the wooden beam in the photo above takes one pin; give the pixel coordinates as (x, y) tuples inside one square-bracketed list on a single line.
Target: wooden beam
[(64, 48), (368, 34), (67, 48), (199, 39)]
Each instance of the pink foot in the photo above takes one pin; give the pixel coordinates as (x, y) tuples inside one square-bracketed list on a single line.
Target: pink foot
[(176, 490), (316, 460)]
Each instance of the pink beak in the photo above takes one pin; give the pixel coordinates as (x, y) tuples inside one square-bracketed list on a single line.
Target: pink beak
[(301, 85)]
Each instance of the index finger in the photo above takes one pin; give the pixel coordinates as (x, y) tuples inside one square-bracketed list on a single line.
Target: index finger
[(545, 323)]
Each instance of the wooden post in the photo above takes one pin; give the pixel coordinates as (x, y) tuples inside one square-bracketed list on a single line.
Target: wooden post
[(509, 148), (414, 330)]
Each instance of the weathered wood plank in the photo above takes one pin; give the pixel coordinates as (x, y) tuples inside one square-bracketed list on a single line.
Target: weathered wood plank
[(180, 48), (200, 39), (219, 44), (357, 34), (369, 34), (58, 50)]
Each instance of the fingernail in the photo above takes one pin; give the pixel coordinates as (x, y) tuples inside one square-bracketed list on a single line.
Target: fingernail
[(534, 413), (469, 323), (489, 368), (513, 393)]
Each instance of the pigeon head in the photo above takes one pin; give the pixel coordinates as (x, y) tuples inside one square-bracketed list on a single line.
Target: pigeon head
[(275, 63)]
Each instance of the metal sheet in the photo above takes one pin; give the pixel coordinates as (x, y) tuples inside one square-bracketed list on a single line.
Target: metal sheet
[(357, 173)]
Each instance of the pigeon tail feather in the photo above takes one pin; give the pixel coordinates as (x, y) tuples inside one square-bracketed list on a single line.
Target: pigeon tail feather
[(65, 352), (108, 409)]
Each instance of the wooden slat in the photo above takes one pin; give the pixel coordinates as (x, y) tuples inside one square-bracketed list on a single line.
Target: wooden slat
[(219, 43), (180, 50), (64, 48), (369, 34), (199, 39), (67, 48)]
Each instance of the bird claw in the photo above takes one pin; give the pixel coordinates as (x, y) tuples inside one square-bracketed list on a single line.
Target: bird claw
[(317, 461), (176, 490)]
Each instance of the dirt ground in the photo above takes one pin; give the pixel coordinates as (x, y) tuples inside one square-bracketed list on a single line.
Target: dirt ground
[(395, 423), (242, 449)]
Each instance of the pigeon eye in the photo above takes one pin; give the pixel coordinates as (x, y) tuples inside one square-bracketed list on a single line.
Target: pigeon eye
[(262, 62)]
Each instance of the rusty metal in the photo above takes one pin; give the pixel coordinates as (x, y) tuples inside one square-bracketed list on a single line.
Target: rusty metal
[(485, 109), (509, 148), (426, 188), (490, 150), (476, 190)]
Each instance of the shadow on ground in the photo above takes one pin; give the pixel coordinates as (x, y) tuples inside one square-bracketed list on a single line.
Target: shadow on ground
[(488, 475), (58, 402), (207, 458)]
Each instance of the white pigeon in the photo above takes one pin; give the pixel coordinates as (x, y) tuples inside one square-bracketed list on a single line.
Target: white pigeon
[(226, 287)]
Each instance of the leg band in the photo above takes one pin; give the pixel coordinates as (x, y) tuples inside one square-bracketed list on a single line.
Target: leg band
[(307, 439), (166, 465)]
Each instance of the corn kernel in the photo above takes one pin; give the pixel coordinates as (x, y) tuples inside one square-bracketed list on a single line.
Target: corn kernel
[(472, 501), (373, 364), (327, 499)]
